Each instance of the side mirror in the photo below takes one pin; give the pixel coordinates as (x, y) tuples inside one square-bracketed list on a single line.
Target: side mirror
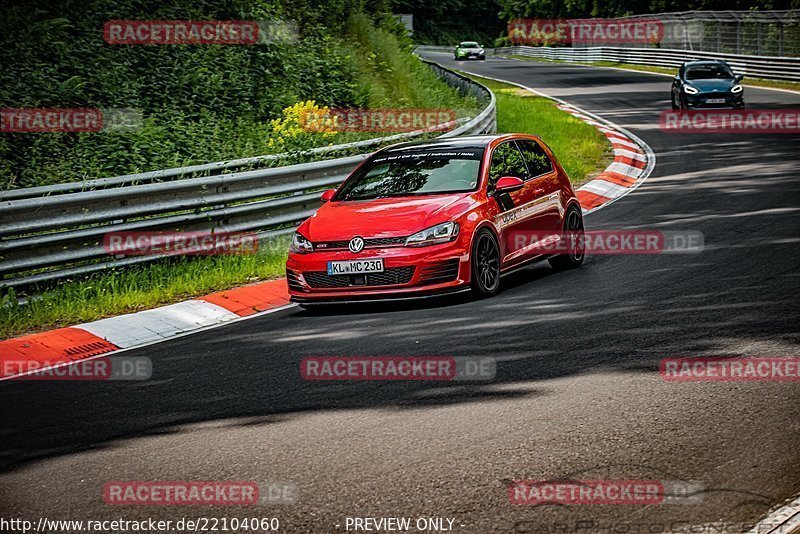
[(508, 184), (480, 46), (327, 195), (739, 77)]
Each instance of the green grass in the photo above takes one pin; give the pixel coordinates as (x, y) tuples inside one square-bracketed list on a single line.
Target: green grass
[(139, 288), (748, 82), (581, 149), (389, 75)]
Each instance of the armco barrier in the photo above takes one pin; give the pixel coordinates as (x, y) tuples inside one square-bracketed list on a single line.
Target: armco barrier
[(55, 232), (770, 68)]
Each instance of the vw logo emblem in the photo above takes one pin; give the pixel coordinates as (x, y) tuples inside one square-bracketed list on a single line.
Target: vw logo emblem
[(356, 244)]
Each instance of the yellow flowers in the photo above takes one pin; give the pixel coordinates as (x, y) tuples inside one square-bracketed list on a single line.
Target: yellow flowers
[(301, 125)]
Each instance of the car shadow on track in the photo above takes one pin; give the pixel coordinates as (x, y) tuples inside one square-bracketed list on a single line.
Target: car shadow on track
[(526, 275)]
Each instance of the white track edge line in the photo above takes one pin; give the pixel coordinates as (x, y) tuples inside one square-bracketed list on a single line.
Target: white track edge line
[(781, 521), (154, 342)]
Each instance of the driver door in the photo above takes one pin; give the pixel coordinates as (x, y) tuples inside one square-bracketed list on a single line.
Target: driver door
[(522, 215)]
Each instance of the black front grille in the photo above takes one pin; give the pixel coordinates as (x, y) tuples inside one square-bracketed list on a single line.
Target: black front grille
[(389, 277), (374, 242), (445, 271), (384, 241), (293, 280)]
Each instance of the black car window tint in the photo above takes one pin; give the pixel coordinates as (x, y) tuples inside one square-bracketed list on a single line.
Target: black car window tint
[(506, 161), (536, 158), (709, 72)]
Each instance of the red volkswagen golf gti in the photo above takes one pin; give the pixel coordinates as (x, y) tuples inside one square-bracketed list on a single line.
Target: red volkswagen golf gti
[(433, 217)]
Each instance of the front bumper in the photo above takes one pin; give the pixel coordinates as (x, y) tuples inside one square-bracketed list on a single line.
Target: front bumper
[(701, 100), (408, 272)]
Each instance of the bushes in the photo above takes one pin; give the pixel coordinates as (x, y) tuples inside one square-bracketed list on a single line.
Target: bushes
[(390, 76), (200, 102)]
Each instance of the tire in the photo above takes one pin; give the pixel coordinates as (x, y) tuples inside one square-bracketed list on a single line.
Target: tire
[(675, 105), (485, 264), (574, 230)]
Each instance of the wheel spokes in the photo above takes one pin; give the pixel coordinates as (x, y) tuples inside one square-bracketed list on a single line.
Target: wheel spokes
[(488, 262), (575, 232)]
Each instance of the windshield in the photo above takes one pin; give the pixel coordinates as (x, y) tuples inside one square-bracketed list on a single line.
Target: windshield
[(423, 172), (708, 72), (469, 45)]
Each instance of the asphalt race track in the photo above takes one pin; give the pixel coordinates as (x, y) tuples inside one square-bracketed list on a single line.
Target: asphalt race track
[(577, 395)]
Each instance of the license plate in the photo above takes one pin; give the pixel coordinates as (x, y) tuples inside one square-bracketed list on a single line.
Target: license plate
[(355, 267), (716, 101)]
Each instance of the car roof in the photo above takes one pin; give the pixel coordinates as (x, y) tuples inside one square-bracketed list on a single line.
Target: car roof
[(700, 62), (466, 141), (468, 42)]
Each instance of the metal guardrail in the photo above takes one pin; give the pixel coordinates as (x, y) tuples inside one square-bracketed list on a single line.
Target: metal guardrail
[(57, 232), (770, 68), (752, 32), (204, 169)]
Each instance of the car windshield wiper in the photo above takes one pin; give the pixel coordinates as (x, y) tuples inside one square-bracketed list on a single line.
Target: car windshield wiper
[(373, 197)]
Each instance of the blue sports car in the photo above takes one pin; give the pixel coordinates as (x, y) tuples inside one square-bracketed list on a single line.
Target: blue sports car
[(707, 84)]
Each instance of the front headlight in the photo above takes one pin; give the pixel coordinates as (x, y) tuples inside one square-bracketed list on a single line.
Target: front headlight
[(441, 233), (300, 244), (480, 51), (737, 89), (690, 90)]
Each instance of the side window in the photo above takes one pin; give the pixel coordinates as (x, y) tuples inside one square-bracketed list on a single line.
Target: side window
[(536, 158), (506, 161)]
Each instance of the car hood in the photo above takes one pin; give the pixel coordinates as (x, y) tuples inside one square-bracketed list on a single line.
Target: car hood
[(383, 217), (708, 86)]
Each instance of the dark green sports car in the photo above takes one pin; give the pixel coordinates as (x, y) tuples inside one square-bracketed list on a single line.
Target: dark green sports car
[(469, 50)]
